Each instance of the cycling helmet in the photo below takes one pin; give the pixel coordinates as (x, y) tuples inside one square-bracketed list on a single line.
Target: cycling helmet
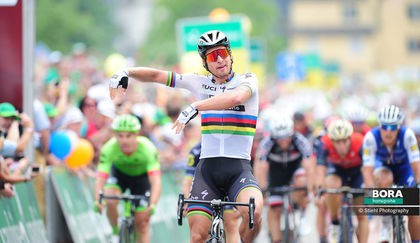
[(212, 39), (415, 126), (126, 123), (281, 127), (390, 115), (339, 129), (356, 113)]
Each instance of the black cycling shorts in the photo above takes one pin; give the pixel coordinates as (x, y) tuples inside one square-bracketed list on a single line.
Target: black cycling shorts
[(216, 178), (138, 185)]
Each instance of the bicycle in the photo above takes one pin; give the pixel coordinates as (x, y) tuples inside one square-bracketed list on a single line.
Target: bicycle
[(127, 232), (290, 233), (346, 223), (399, 231), (216, 232)]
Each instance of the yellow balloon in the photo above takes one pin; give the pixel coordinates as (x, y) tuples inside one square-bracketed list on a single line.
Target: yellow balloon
[(113, 63), (81, 155)]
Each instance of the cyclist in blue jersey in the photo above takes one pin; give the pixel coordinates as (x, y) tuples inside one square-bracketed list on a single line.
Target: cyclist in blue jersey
[(228, 103), (391, 156)]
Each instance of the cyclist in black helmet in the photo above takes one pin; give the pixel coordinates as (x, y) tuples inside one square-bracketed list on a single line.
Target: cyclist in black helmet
[(228, 105)]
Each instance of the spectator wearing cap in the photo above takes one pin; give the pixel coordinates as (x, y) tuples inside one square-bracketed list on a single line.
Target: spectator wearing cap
[(9, 118), (8, 115), (13, 150)]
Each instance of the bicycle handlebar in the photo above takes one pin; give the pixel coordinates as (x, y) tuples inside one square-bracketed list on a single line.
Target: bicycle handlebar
[(342, 190), (216, 203), (125, 197), (286, 189)]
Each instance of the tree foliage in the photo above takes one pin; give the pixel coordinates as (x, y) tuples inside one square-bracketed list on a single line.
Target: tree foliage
[(161, 45), (61, 23)]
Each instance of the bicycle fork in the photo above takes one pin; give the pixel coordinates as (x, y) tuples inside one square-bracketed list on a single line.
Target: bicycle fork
[(346, 225)]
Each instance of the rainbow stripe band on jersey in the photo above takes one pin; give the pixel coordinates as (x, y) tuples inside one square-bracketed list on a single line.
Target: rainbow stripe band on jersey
[(228, 124), (170, 81)]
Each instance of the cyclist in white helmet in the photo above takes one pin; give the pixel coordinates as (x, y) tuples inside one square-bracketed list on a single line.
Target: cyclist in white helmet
[(228, 103), (391, 156), (284, 158)]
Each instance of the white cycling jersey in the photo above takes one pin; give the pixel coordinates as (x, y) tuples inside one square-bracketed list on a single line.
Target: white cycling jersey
[(225, 133)]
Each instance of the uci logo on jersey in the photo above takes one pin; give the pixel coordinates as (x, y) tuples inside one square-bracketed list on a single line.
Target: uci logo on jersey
[(205, 86)]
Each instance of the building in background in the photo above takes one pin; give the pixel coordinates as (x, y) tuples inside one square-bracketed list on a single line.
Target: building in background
[(361, 36)]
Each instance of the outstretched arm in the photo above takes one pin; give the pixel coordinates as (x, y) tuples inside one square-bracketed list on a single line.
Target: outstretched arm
[(119, 81), (145, 74)]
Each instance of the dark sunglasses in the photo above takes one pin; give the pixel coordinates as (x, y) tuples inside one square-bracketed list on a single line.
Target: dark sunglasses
[(212, 56), (390, 127)]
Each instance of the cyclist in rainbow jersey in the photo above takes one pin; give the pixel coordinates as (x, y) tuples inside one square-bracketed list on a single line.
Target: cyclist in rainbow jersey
[(228, 103)]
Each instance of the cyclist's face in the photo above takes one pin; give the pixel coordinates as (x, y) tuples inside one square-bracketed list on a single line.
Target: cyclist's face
[(389, 136), (342, 146), (284, 143), (219, 61), (127, 141)]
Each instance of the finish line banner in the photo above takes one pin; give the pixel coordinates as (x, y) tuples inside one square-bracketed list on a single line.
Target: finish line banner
[(390, 201)]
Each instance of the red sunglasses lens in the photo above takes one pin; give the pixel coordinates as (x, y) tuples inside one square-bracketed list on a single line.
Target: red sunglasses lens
[(212, 56)]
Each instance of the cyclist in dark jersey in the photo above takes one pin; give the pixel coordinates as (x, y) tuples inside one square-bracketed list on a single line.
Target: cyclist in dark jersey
[(129, 161), (286, 157)]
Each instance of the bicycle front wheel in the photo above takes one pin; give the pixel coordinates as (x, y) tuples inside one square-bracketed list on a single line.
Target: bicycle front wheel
[(398, 229), (346, 226), (127, 234), (289, 232)]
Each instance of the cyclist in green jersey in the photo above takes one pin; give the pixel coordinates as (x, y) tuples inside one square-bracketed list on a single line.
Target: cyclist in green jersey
[(129, 161)]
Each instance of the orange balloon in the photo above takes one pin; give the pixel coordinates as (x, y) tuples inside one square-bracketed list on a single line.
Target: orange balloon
[(81, 155)]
